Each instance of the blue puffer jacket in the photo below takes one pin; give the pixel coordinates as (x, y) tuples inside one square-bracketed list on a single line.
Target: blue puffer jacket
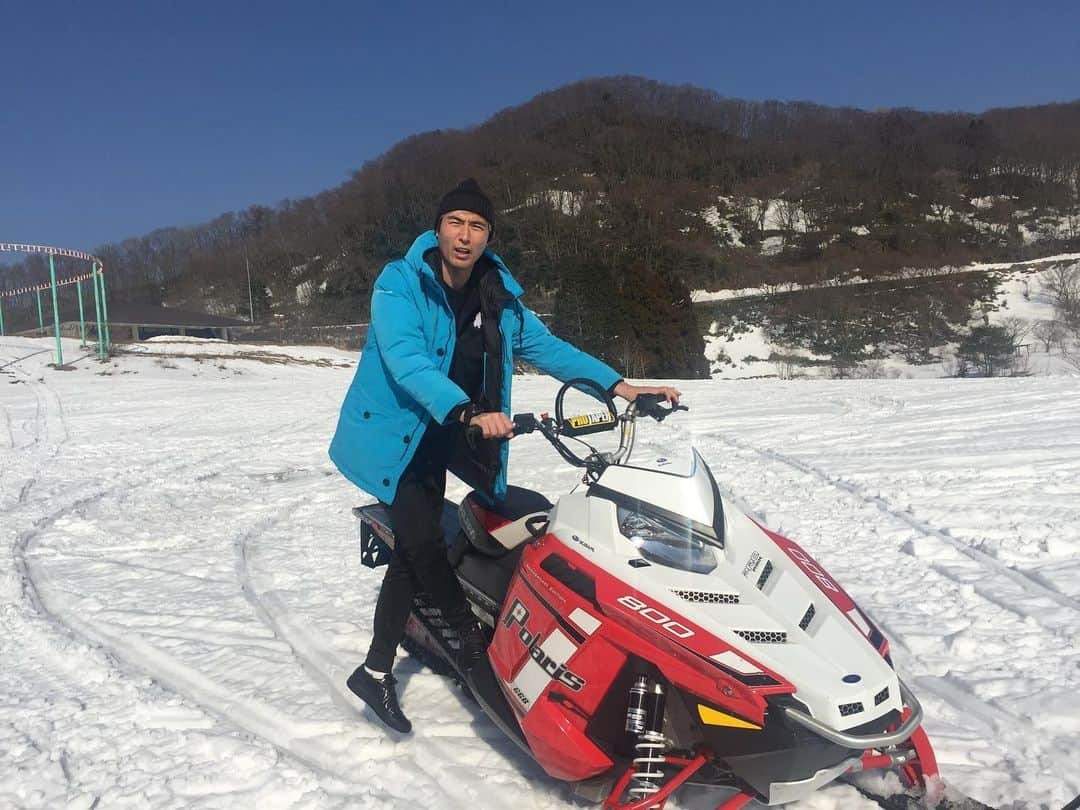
[(402, 381)]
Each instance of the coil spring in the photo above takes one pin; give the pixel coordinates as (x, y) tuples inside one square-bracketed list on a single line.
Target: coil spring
[(647, 771)]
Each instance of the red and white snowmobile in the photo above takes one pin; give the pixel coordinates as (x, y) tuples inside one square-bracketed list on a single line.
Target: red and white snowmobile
[(645, 634)]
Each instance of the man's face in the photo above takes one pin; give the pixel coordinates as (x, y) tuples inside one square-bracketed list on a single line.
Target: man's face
[(463, 236)]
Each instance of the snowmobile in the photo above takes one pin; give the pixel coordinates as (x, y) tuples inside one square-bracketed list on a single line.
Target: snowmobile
[(645, 634)]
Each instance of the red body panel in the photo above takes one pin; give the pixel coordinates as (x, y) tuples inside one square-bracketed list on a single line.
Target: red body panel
[(556, 654), (560, 745)]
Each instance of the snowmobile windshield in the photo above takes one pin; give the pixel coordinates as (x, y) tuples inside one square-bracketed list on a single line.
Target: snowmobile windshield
[(660, 529), (674, 543)]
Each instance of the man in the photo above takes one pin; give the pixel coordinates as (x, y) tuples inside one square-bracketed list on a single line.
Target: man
[(446, 324)]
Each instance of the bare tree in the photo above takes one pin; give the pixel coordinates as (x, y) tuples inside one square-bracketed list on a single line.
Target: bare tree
[(1070, 350), (1017, 327), (1062, 282), (1049, 334), (789, 216)]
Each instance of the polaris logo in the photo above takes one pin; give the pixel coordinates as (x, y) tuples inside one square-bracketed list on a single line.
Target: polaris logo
[(581, 542), (655, 616), (519, 615)]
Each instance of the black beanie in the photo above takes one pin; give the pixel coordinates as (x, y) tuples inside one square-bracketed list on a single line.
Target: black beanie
[(468, 196)]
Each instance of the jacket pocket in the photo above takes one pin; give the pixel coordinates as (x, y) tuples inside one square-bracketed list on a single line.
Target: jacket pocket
[(379, 437)]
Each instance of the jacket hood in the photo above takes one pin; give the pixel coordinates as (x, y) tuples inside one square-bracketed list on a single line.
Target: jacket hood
[(428, 240)]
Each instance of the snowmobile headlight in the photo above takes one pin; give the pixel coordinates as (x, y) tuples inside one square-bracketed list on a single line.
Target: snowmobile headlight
[(665, 542)]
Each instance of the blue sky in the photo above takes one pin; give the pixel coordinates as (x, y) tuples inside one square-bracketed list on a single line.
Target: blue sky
[(122, 117)]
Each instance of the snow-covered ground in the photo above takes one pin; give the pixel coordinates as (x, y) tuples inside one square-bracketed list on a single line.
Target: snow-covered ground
[(181, 596)]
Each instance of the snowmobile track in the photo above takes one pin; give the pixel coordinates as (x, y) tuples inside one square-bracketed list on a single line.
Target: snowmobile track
[(132, 654), (904, 801), (315, 655), (1025, 583)]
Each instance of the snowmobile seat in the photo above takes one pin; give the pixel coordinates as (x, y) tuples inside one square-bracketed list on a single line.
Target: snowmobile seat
[(494, 529)]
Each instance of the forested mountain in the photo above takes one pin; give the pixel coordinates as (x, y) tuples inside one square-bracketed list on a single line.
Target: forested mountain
[(616, 196)]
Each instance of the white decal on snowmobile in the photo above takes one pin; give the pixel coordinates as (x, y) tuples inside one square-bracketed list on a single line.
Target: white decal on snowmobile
[(586, 621), (732, 659), (655, 616), (812, 569), (534, 642)]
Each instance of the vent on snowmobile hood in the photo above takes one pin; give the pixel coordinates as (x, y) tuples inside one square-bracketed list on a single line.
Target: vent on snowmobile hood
[(848, 709), (763, 636), (708, 597), (766, 572)]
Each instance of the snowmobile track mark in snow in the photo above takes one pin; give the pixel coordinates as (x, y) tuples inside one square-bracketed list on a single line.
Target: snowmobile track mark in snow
[(130, 654), (316, 656), (1027, 583), (991, 716)]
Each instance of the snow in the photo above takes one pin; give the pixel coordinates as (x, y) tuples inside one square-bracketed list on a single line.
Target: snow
[(564, 201), (181, 596), (774, 216), (723, 226), (305, 291), (985, 203), (908, 272)]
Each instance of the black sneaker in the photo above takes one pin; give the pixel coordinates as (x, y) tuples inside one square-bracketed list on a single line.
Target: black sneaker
[(473, 645), (380, 695)]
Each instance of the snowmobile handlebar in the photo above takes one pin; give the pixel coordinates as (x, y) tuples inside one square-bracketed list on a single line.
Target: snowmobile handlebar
[(523, 423), (651, 405), (556, 429), (560, 427)]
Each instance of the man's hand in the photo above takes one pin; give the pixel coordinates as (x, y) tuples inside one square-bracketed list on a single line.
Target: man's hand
[(494, 425), (631, 392)]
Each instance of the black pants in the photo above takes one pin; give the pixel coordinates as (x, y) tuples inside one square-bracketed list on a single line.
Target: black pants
[(419, 561)]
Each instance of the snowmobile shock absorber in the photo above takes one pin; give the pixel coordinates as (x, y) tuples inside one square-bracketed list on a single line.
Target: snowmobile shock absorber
[(635, 710), (648, 774)]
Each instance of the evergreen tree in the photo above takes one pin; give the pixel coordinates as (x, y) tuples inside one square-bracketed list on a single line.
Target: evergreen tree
[(989, 348)]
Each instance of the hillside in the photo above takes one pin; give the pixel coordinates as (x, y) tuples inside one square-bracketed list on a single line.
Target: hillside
[(905, 325), (617, 196)]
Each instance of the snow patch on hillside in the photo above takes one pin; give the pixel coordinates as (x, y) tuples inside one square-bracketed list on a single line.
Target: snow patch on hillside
[(1022, 303)]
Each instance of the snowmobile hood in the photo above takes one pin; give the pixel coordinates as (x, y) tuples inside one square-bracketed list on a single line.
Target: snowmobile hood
[(766, 606)]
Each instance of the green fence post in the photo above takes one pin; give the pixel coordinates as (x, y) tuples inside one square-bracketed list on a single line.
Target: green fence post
[(40, 317), (105, 313), (97, 309), (55, 312), (82, 319)]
